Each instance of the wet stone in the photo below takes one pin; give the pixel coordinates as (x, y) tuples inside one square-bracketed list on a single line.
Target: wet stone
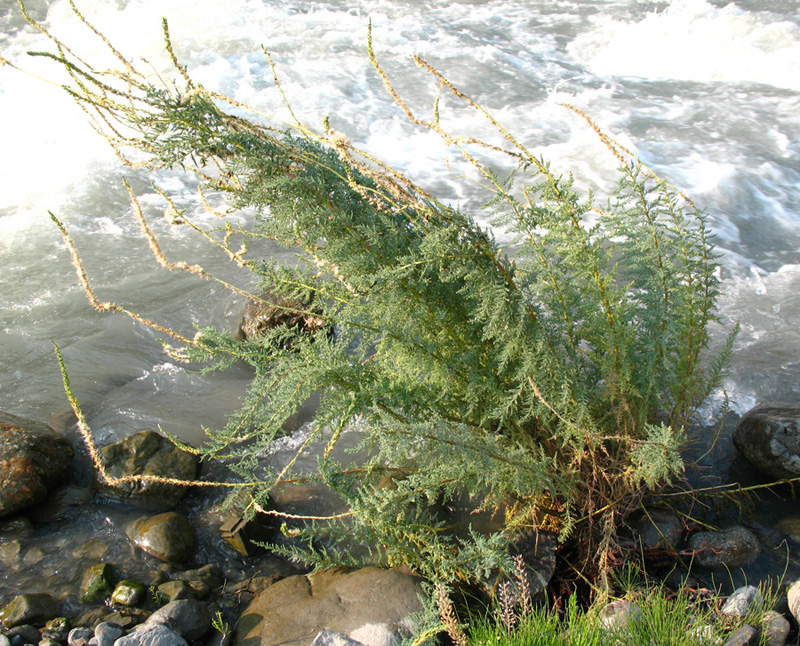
[(168, 536), (33, 459), (147, 453), (731, 547), (94, 549), (96, 583), (29, 609), (128, 593)]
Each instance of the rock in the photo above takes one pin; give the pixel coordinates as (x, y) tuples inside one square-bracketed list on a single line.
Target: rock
[(24, 634), (727, 548), (742, 599), (4, 641), (168, 536), (17, 527), (176, 590), (203, 580), (59, 501), (189, 618), (744, 636), (33, 458), (127, 618), (106, 634), (294, 610), (790, 527), (96, 583), (29, 609), (151, 635), (94, 617), (768, 436), (538, 552), (79, 636), (775, 629), (272, 310), (618, 614), (793, 597), (658, 529), (330, 638), (147, 453), (128, 593)]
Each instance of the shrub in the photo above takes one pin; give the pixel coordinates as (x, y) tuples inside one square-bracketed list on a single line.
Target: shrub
[(553, 385)]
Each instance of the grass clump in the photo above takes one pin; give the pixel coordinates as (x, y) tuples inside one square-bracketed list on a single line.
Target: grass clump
[(552, 386)]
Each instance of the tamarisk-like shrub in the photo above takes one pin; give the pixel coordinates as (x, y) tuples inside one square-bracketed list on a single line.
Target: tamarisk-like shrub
[(553, 386)]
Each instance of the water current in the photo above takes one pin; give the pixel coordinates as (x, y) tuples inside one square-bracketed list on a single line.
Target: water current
[(706, 92)]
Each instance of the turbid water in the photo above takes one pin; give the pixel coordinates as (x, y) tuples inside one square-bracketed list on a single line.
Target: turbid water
[(705, 92)]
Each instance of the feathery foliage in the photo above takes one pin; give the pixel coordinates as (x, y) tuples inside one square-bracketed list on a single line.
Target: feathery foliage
[(552, 386)]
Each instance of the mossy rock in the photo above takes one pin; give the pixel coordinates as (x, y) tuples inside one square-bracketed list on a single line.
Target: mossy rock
[(128, 593), (97, 583)]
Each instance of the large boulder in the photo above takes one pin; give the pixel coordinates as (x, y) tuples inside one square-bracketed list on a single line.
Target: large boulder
[(33, 458), (147, 453), (768, 436), (369, 605)]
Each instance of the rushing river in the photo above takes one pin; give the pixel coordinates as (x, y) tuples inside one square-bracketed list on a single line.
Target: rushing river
[(706, 93)]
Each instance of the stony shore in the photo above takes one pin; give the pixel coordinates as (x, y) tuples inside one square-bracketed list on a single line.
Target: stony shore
[(172, 572)]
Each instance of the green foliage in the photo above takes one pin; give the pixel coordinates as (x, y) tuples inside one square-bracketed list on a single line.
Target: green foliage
[(552, 385)]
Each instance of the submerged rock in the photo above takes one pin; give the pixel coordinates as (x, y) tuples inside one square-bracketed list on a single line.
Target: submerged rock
[(147, 453), (30, 609), (768, 436), (33, 458), (727, 548), (168, 536), (369, 605)]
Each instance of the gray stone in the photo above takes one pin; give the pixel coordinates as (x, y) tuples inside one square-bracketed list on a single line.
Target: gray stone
[(189, 618), (330, 638), (33, 458), (294, 610), (768, 436), (96, 583), (744, 636), (29, 609), (740, 602), (147, 453), (24, 634), (128, 593), (727, 548), (168, 536), (4, 641), (775, 629), (793, 597), (106, 634), (616, 615), (79, 636), (151, 635)]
